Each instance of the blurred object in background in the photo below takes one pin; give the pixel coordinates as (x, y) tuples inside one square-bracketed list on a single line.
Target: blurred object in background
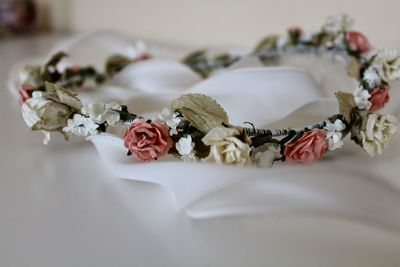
[(17, 17)]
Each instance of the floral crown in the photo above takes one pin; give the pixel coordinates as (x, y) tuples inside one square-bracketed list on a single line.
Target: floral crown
[(195, 127)]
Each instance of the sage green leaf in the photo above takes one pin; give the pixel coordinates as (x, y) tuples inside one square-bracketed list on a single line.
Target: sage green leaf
[(33, 75), (346, 104), (267, 43), (53, 116), (322, 38), (116, 63), (55, 59), (194, 57), (353, 68), (359, 123), (54, 76), (63, 96), (198, 62), (363, 115), (203, 112), (72, 78)]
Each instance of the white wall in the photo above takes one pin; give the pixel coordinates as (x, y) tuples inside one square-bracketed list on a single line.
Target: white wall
[(243, 22), (53, 14)]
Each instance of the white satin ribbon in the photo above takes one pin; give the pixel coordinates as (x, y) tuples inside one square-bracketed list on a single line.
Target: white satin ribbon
[(258, 95)]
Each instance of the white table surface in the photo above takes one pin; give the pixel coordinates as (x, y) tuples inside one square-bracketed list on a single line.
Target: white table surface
[(60, 207)]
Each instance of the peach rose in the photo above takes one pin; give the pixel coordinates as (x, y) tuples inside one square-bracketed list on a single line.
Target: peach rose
[(141, 57), (309, 147), (379, 97), (23, 92), (75, 68), (357, 42), (147, 140)]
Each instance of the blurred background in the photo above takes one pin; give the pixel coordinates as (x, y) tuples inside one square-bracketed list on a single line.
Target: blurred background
[(197, 23)]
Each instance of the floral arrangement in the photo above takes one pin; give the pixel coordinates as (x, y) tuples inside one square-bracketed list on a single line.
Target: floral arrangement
[(195, 127)]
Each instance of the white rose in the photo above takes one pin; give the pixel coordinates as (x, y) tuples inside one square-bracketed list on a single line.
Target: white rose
[(387, 64), (100, 112), (225, 147), (379, 131)]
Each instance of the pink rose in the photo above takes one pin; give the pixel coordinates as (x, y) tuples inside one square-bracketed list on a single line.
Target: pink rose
[(309, 147), (23, 92), (141, 57), (296, 30), (379, 97), (357, 42), (74, 68), (147, 140)]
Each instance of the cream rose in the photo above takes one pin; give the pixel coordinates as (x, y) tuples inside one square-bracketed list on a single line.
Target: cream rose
[(378, 132), (226, 147), (387, 63)]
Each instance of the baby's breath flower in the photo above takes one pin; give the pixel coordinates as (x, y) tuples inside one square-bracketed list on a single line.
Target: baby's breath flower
[(172, 119), (361, 98), (185, 148), (100, 112), (334, 134), (81, 126)]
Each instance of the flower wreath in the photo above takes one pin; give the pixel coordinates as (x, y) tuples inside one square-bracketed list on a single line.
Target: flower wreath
[(196, 127)]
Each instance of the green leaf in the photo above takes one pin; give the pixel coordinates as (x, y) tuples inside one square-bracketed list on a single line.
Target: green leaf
[(201, 111), (53, 76), (55, 59), (346, 105), (63, 96), (198, 62), (33, 75), (267, 43), (53, 116), (195, 56), (359, 123), (116, 63), (73, 78)]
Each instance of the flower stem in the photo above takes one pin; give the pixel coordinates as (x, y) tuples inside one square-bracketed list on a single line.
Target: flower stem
[(281, 132)]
